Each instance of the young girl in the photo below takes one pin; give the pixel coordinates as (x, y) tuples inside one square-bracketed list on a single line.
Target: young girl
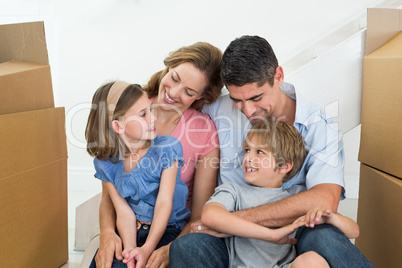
[(140, 171)]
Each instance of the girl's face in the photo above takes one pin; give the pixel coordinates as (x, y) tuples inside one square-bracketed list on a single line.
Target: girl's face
[(259, 166), (180, 87), (138, 123)]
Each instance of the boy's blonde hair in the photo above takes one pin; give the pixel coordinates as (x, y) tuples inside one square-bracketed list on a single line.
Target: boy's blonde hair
[(282, 140)]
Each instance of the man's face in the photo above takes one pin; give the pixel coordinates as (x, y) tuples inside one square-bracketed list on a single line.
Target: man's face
[(255, 101)]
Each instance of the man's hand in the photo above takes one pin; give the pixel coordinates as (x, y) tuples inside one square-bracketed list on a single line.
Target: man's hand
[(110, 246), (317, 216), (159, 258), (198, 227)]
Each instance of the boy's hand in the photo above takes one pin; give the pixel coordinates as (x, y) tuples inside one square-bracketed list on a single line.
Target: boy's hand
[(281, 235)]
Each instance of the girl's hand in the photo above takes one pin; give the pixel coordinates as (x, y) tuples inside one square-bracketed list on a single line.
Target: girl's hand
[(317, 216), (126, 255), (139, 256)]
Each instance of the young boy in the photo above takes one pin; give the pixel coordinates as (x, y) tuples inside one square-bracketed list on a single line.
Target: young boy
[(274, 153)]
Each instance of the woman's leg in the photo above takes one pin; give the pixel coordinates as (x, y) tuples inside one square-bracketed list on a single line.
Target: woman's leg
[(198, 250)]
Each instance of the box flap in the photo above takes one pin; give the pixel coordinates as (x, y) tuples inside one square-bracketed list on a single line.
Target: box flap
[(23, 42), (382, 24), (391, 49)]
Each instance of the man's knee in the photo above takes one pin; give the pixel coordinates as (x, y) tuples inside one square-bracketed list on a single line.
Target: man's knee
[(198, 249)]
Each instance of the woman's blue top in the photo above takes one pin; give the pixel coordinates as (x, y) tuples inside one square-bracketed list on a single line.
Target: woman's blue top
[(140, 187)]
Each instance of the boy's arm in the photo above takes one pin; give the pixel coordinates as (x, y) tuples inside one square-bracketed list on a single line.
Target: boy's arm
[(125, 217), (317, 216), (348, 226), (216, 217), (287, 210)]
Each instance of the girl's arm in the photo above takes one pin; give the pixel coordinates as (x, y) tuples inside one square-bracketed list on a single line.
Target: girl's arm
[(216, 217), (205, 180), (126, 220), (163, 209), (318, 216)]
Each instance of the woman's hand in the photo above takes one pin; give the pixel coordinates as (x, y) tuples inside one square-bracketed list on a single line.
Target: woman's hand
[(110, 246), (198, 227), (159, 258)]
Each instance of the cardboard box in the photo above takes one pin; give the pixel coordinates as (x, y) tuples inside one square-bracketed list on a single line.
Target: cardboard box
[(25, 80), (33, 154), (379, 217), (20, 86), (381, 131), (33, 189)]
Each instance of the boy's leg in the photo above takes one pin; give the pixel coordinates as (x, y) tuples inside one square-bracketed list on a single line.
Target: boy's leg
[(309, 259), (329, 242), (198, 250)]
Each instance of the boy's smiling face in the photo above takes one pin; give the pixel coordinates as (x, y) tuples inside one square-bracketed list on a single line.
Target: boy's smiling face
[(259, 166)]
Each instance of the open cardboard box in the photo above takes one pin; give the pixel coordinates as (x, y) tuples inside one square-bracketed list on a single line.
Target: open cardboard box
[(381, 128), (33, 177)]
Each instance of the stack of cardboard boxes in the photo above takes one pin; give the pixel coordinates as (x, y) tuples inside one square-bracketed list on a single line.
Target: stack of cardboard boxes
[(380, 196), (33, 154)]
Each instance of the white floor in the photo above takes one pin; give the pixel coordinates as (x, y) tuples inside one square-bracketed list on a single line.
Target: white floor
[(347, 207)]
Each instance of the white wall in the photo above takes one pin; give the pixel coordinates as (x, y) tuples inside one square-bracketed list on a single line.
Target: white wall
[(92, 41)]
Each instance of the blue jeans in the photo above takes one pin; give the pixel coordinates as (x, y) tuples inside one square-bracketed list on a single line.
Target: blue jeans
[(202, 250), (170, 234), (329, 242), (198, 250)]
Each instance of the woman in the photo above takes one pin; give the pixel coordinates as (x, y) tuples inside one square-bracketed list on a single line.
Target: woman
[(190, 80)]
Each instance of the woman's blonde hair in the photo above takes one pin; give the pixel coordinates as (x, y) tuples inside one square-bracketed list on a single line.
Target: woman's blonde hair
[(102, 141), (206, 58), (281, 139)]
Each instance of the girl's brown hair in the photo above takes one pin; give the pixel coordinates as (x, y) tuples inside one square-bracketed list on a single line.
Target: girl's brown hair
[(102, 141), (206, 58), (281, 139)]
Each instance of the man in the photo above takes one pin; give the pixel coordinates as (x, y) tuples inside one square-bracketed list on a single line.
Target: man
[(255, 82)]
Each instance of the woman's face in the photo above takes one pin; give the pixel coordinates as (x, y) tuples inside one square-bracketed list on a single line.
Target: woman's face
[(180, 87)]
